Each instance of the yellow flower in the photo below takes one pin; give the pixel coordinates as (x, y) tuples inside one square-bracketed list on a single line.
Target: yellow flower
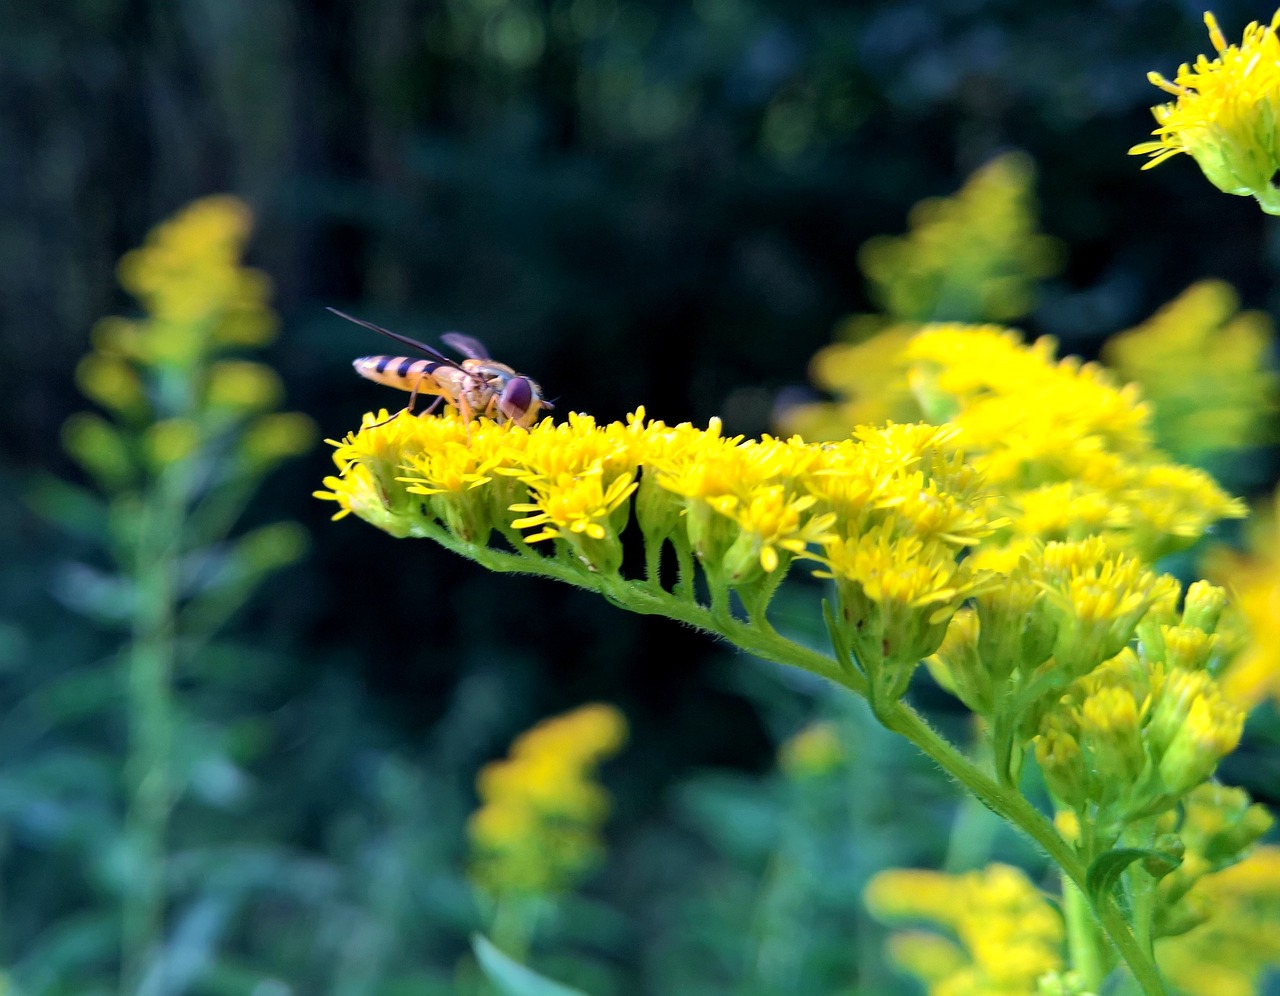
[(580, 509), (1206, 367), (1098, 598), (372, 461), (772, 520), (1132, 736), (1254, 675), (537, 829), (189, 279), (1225, 114), (815, 751), (168, 379), (1010, 935), (974, 256)]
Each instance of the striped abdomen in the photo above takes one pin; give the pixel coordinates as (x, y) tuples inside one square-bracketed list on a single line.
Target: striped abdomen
[(406, 373)]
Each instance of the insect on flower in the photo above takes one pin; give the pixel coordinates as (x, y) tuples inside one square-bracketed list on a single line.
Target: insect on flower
[(479, 385)]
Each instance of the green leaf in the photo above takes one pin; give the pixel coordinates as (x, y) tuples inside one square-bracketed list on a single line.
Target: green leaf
[(1107, 868), (512, 978), (77, 510)]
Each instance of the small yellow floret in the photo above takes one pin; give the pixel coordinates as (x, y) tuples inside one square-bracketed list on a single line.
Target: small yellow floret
[(1226, 113)]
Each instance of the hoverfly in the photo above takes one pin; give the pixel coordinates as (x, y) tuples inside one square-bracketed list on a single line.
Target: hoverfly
[(477, 386)]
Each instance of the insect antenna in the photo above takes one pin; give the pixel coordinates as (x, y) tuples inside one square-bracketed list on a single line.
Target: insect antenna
[(422, 347)]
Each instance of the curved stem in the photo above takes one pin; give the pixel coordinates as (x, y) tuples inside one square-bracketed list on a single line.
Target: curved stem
[(1003, 800)]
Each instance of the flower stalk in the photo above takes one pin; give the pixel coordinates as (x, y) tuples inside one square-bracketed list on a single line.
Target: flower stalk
[(1009, 554)]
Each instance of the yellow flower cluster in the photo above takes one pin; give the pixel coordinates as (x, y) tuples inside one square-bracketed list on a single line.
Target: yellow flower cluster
[(1079, 603), (170, 381), (1206, 368), (1226, 114), (975, 256), (887, 514), (537, 829), (1254, 675), (1007, 936), (1056, 463), (1071, 452), (1132, 738), (1239, 941), (189, 278)]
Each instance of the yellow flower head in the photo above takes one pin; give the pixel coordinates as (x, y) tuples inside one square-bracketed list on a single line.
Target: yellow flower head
[(1226, 114), (171, 380), (815, 751), (581, 510), (773, 521), (975, 256), (537, 829), (1254, 675), (1207, 368), (1009, 933), (1133, 736)]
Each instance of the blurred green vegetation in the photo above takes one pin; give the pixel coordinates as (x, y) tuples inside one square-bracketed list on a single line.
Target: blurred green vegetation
[(636, 203)]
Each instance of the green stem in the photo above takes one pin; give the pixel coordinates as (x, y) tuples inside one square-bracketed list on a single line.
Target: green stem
[(1004, 801), (1082, 937), (1014, 808), (149, 690)]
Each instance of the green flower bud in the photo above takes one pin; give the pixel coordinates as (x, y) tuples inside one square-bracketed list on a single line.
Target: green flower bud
[(1203, 606), (1063, 764), (1199, 727)]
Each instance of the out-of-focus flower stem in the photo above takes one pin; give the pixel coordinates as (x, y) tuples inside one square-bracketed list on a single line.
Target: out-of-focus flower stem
[(1005, 801), (1082, 936), (150, 711)]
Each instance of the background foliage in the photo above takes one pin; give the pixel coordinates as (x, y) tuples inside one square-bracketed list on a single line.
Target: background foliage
[(637, 203)]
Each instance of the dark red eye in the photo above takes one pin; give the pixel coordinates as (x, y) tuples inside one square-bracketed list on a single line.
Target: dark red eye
[(515, 399)]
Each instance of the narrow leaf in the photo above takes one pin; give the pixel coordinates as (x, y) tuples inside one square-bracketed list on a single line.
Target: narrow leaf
[(512, 978), (1107, 868)]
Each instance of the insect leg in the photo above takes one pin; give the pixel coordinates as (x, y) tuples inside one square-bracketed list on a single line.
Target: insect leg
[(413, 397)]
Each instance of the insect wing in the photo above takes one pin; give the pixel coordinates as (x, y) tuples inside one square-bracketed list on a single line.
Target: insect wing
[(466, 345), (435, 354)]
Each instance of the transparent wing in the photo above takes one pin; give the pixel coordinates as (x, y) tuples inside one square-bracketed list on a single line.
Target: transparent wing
[(466, 345)]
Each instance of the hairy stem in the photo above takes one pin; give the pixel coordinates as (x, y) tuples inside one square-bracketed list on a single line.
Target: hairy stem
[(1004, 800)]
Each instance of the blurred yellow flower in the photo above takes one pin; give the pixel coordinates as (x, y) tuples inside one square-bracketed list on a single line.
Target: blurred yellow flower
[(1254, 578), (537, 831), (1009, 935), (1207, 369), (1229, 953), (815, 751), (172, 380), (974, 256)]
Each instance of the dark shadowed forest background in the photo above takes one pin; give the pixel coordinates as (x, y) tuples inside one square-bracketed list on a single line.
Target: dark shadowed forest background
[(636, 203)]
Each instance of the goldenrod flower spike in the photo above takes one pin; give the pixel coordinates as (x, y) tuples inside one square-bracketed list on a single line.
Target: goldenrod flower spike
[(537, 830), (1013, 542), (1226, 114), (1010, 935)]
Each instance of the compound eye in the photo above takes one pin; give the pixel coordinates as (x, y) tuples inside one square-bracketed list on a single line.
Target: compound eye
[(515, 399)]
